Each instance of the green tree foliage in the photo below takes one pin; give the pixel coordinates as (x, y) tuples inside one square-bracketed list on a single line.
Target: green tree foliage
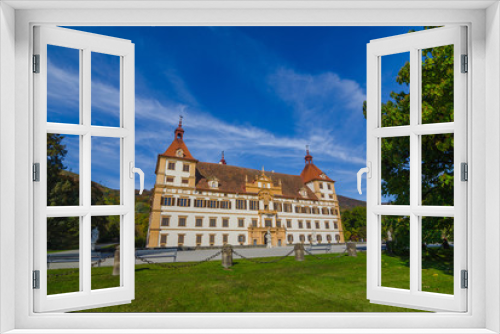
[(399, 228), (61, 187), (63, 190), (437, 150), (142, 208), (354, 223)]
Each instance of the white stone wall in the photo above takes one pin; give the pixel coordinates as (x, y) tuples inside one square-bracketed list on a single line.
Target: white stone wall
[(325, 191), (233, 230), (178, 173)]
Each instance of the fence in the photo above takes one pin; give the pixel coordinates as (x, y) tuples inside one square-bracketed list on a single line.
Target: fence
[(227, 253)]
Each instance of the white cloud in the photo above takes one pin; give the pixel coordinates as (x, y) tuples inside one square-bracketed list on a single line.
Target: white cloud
[(207, 135), (321, 97)]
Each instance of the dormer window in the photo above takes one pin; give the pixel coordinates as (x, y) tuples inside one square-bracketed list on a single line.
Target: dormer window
[(303, 192), (213, 182), (179, 153), (323, 176)]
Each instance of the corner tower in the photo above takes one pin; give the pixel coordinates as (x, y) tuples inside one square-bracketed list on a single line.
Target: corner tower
[(320, 184), (175, 168)]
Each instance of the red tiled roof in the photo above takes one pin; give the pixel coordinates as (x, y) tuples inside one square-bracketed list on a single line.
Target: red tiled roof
[(178, 143), (312, 173), (232, 180)]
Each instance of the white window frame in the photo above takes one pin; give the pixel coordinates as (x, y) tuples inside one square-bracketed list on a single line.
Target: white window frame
[(85, 43), (413, 44), (484, 120)]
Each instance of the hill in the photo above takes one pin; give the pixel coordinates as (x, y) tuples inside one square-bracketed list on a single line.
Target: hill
[(347, 203)]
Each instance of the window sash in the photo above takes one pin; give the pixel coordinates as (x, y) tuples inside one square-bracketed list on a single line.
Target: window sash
[(413, 43), (86, 43)]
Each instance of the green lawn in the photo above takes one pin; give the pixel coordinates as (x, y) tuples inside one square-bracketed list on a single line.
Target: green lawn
[(314, 285)]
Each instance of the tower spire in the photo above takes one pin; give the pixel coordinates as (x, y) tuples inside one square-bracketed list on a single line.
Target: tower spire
[(308, 157), (222, 160), (179, 132)]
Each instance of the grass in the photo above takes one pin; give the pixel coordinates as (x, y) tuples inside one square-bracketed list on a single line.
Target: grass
[(314, 285), (55, 251), (437, 271)]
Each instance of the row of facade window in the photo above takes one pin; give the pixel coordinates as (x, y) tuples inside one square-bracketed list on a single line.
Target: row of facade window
[(328, 185), (242, 239), (212, 222), (241, 204), (170, 179), (199, 239), (171, 166), (310, 238)]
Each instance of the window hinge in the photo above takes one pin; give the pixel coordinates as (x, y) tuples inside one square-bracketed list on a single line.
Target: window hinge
[(465, 63), (36, 172), (465, 279), (36, 279), (464, 171), (36, 63)]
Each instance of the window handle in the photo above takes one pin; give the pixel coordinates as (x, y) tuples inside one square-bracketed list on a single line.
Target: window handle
[(139, 171), (368, 171)]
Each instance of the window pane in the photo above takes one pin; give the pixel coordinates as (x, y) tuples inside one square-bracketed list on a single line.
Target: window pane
[(63, 167), (63, 255), (63, 85), (105, 89), (105, 171), (395, 89), (437, 170), (396, 255), (395, 156), (105, 238), (437, 254), (437, 84)]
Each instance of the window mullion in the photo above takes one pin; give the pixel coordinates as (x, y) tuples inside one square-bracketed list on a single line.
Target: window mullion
[(81, 226), (415, 178), (86, 256)]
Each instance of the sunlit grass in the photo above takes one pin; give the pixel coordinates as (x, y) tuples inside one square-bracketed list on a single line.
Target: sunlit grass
[(337, 285)]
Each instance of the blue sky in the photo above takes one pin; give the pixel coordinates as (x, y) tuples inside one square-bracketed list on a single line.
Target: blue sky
[(258, 93)]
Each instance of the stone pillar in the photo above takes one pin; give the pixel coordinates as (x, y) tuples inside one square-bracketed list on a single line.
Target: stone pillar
[(351, 249), (227, 256), (299, 252), (116, 265)]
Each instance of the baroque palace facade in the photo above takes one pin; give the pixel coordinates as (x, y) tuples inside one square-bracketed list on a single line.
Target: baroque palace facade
[(202, 204)]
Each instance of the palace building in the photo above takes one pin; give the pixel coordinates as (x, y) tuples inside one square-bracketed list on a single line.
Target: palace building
[(202, 204)]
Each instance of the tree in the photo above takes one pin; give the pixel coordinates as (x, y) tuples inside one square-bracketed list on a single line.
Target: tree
[(354, 223), (63, 189), (437, 150)]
